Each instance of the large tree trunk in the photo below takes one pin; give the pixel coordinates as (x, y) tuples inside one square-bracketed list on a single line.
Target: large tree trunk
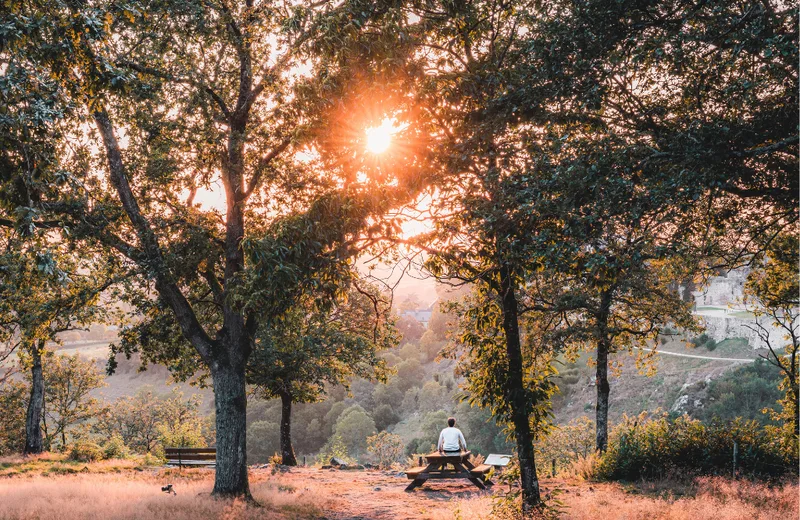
[(33, 420), (601, 380), (230, 403), (287, 452), (515, 391)]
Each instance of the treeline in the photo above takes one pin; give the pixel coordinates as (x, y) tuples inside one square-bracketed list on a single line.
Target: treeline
[(77, 423)]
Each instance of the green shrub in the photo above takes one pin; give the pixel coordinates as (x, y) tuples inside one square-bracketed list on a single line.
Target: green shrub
[(711, 344), (386, 447), (642, 448), (115, 448), (84, 451)]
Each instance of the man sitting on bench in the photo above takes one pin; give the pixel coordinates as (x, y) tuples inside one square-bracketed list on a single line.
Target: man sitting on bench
[(451, 440)]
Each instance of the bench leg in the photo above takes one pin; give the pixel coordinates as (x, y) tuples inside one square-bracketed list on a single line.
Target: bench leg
[(417, 482), (477, 482)]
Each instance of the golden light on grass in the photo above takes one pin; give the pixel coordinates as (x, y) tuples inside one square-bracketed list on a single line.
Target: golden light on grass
[(379, 138)]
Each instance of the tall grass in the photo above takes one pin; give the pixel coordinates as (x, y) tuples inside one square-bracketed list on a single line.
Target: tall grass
[(130, 496), (714, 498)]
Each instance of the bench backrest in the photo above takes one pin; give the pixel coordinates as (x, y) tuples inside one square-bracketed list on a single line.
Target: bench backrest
[(190, 453)]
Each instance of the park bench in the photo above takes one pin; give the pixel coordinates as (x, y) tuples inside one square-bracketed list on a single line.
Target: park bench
[(191, 456)]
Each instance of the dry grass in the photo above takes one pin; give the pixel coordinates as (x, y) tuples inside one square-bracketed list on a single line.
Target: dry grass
[(712, 498), (138, 496), (304, 493), (59, 464)]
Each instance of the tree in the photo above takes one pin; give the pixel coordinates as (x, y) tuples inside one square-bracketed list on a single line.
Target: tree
[(205, 282), (263, 440), (353, 427), (410, 329), (319, 344), (384, 416), (319, 347), (771, 293), (12, 422), (387, 448), (69, 381), (44, 291)]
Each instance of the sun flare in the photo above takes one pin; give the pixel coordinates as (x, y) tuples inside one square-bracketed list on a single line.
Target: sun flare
[(379, 138)]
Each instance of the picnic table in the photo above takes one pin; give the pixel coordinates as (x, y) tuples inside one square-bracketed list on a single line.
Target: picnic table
[(449, 466)]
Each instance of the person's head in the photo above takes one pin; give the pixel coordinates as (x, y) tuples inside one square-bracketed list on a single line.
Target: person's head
[(451, 422)]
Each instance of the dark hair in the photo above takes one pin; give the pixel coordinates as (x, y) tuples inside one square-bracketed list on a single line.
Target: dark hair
[(451, 422)]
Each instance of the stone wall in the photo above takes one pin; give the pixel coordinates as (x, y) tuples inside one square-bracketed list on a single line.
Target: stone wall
[(722, 290), (721, 328)]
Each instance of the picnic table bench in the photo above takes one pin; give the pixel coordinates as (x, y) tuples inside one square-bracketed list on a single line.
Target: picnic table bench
[(439, 467), (191, 456)]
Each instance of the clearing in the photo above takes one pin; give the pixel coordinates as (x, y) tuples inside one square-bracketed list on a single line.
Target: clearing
[(50, 487)]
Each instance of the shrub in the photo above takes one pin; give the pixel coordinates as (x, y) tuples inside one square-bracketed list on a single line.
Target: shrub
[(643, 448), (84, 451), (115, 448), (335, 447), (387, 448)]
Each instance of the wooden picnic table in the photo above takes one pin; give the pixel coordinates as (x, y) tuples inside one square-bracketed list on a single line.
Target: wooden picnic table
[(449, 466)]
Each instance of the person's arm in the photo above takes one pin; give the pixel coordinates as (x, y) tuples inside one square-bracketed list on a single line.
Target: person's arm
[(462, 440), (440, 446)]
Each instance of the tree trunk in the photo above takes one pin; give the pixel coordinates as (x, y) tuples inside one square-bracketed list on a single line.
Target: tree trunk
[(603, 390), (231, 407), (33, 420), (515, 391), (601, 381), (287, 452)]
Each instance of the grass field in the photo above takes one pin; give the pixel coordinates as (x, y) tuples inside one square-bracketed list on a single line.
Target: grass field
[(32, 490)]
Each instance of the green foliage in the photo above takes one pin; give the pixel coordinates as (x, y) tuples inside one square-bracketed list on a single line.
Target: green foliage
[(320, 343), (147, 421), (481, 432), (747, 392), (13, 401), (114, 448), (386, 447), (353, 427), (69, 382), (263, 439), (409, 373), (771, 291), (659, 447), (567, 443), (84, 451), (385, 416), (335, 447), (704, 340)]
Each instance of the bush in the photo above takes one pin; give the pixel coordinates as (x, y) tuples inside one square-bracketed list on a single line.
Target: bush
[(642, 448), (335, 447), (387, 448), (85, 452), (115, 448)]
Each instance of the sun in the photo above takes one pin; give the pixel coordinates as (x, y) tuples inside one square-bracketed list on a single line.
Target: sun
[(379, 138)]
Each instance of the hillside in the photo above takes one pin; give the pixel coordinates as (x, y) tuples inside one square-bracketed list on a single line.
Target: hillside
[(416, 401)]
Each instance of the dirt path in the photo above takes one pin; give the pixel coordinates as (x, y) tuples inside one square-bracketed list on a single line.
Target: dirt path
[(380, 495), (733, 360)]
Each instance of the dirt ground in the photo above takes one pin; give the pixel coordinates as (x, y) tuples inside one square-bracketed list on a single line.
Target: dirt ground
[(380, 495)]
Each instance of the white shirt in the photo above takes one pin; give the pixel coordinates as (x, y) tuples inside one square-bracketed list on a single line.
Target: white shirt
[(451, 439)]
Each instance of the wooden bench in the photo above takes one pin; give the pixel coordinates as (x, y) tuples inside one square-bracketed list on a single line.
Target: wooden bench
[(191, 456), (481, 470), (414, 472)]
